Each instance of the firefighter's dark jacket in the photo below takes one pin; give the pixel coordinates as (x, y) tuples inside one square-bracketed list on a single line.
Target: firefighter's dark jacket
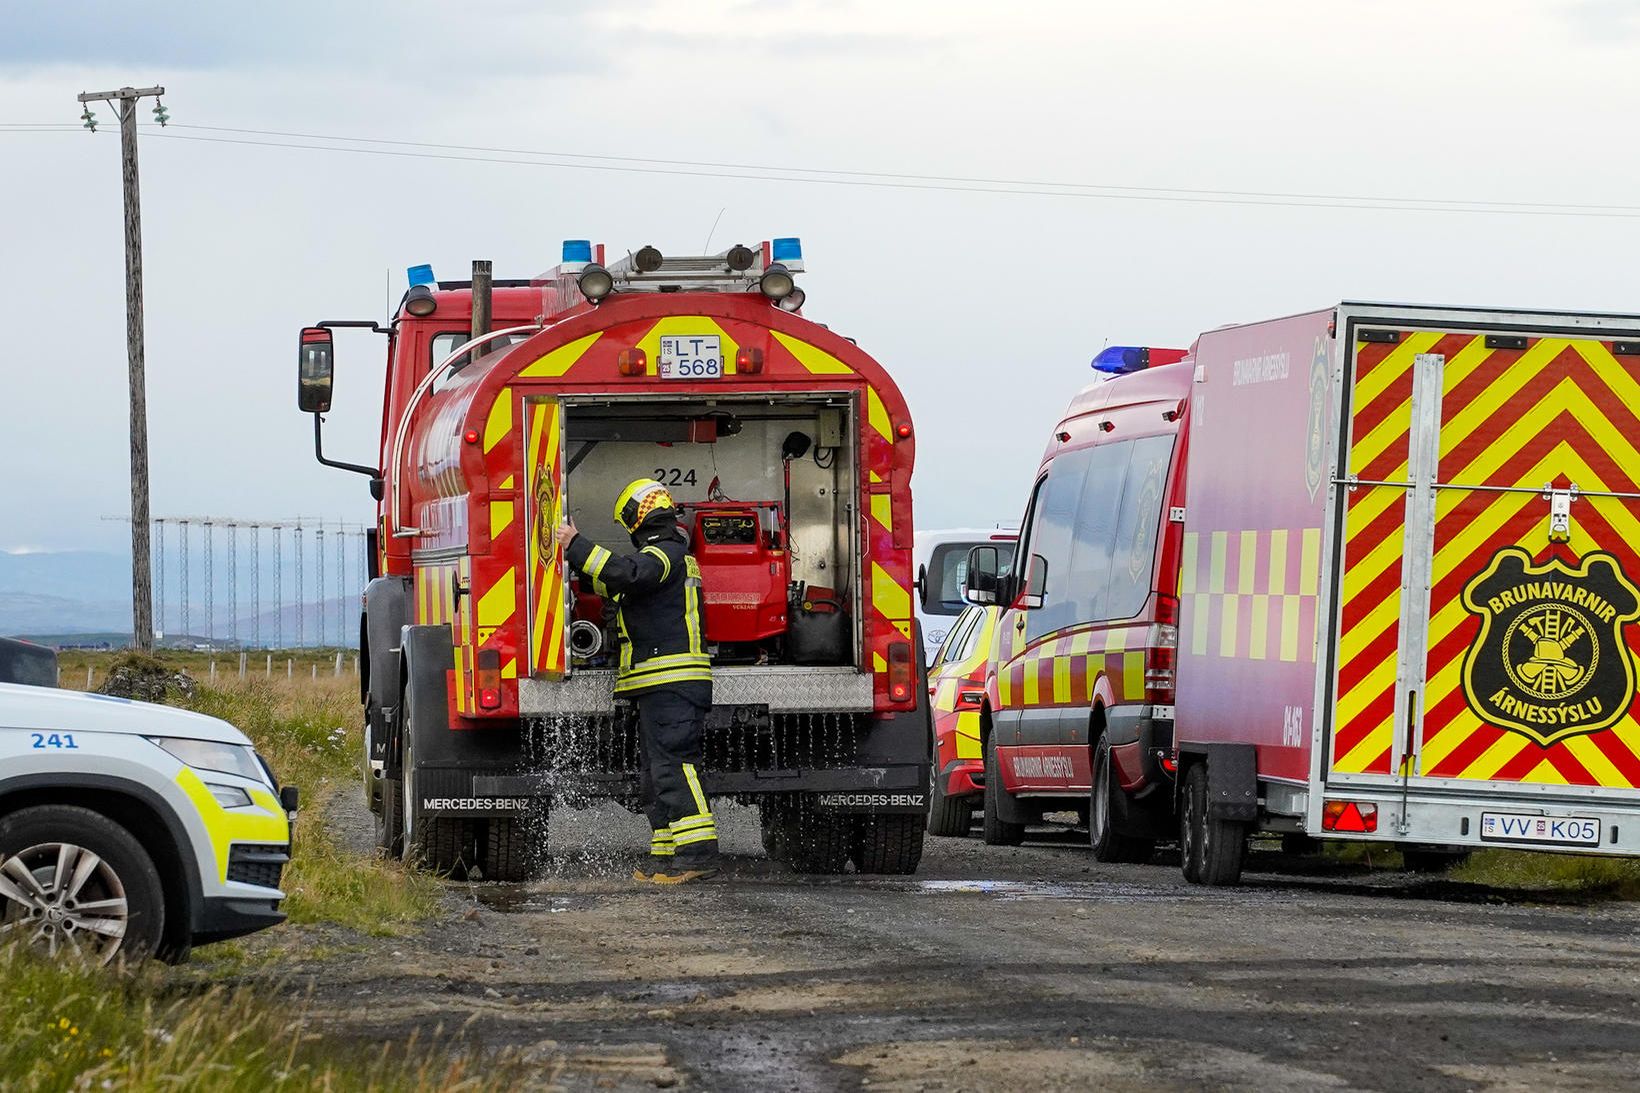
[(658, 600)]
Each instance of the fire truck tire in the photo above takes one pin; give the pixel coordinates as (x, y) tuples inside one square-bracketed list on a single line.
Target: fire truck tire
[(994, 829), (950, 817), (1212, 849), (515, 849), (440, 844), (891, 843), (1105, 808), (1425, 860), (390, 818), (812, 839)]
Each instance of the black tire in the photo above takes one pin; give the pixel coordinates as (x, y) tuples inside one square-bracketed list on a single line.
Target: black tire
[(891, 844), (1213, 849), (948, 817), (994, 830), (1109, 845), (442, 845), (1427, 861), (815, 840), (31, 832), (390, 818), (515, 849)]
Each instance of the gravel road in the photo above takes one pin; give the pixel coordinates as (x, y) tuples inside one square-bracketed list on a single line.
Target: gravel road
[(1028, 968)]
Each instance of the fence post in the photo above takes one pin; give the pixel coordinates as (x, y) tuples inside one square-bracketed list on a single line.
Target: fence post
[(270, 665), (338, 665), (316, 671), (355, 664), (241, 664), (213, 671), (290, 668), (88, 670)]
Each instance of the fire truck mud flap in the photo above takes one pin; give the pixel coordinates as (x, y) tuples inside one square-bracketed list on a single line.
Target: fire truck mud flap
[(448, 764), (1232, 780)]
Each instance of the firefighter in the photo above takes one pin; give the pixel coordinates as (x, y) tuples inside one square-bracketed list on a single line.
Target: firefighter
[(664, 668)]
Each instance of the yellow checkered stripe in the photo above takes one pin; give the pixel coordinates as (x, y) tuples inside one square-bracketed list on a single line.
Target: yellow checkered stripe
[(1251, 595), (1065, 671)]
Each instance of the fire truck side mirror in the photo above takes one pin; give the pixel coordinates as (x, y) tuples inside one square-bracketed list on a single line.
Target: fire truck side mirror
[(984, 577), (315, 370)]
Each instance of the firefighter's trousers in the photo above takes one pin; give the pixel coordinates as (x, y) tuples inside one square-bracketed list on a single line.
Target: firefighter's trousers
[(671, 721)]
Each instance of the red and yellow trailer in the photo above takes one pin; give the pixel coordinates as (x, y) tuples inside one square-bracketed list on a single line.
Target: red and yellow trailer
[(1444, 515)]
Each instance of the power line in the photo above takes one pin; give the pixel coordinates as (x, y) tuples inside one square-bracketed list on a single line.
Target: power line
[(882, 179)]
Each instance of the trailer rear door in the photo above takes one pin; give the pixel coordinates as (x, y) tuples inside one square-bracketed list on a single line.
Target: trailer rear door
[(1489, 538)]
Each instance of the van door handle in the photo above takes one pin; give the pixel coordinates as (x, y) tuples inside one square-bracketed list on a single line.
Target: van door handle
[(1019, 622)]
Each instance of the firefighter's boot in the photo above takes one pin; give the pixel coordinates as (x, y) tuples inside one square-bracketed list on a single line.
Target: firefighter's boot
[(661, 851)]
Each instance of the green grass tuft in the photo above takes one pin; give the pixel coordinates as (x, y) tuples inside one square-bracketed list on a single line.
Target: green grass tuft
[(1580, 874)]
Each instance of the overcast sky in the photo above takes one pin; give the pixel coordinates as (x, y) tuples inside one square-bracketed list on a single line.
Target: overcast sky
[(986, 307)]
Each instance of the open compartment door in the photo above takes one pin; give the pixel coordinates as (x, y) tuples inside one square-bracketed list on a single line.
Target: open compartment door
[(545, 504)]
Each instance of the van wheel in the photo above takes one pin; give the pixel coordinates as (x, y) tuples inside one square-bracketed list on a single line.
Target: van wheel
[(993, 829), (949, 817), (76, 885), (890, 843), (1213, 849), (1109, 845)]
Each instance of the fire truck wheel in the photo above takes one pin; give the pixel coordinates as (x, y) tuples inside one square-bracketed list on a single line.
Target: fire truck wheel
[(815, 840), (995, 830), (1110, 845), (390, 818), (1213, 849), (441, 844), (887, 844), (951, 817), (515, 849)]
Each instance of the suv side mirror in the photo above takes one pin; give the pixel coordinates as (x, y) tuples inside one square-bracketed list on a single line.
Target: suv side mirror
[(922, 586), (984, 580), (315, 370)]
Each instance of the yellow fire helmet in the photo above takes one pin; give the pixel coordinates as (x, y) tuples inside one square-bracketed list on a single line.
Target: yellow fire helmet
[(640, 499)]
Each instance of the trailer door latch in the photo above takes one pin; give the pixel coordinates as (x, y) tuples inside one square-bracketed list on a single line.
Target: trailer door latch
[(1560, 513)]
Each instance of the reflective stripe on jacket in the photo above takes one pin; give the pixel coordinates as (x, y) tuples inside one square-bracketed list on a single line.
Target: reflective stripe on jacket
[(658, 600)]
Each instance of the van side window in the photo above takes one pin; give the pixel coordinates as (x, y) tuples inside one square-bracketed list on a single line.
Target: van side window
[(958, 637), (1049, 572), (1097, 516), (1143, 494)]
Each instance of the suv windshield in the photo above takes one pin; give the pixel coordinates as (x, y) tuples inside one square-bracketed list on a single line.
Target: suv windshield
[(948, 568)]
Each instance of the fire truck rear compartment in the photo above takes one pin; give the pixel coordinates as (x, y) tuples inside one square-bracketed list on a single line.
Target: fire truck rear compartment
[(767, 492)]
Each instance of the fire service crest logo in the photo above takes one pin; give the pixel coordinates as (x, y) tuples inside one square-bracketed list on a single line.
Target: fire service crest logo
[(546, 512), (1551, 661)]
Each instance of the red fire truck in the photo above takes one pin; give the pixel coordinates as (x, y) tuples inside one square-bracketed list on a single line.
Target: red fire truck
[(1407, 546), (511, 405)]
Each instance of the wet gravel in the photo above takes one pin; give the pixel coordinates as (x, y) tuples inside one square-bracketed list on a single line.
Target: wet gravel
[(994, 968)]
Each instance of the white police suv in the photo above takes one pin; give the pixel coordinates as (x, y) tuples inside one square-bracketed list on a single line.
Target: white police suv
[(133, 830)]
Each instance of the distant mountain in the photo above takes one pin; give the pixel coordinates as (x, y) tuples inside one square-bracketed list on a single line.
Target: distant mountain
[(68, 593)]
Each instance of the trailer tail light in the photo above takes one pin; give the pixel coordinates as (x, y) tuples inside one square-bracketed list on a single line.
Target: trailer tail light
[(489, 679), (1356, 816), (1162, 652), (899, 670), (749, 361), (632, 362)]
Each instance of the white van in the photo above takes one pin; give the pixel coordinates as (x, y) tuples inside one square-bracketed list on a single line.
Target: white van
[(942, 566)]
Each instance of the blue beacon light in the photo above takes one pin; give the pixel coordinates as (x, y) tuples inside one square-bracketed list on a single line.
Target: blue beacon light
[(421, 275), (786, 250), (577, 250), (1119, 359)]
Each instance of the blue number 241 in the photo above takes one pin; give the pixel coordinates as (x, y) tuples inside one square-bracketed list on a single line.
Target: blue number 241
[(54, 740)]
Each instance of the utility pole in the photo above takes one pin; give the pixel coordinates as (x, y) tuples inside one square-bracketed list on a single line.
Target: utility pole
[(142, 588)]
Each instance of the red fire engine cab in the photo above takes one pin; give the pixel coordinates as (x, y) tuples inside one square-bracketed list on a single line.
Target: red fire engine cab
[(513, 405)]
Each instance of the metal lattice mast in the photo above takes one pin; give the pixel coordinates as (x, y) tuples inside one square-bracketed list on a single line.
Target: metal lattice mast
[(159, 576), (278, 589), (319, 578), (301, 620), (256, 586), (210, 581), (341, 583), (233, 584), (182, 528)]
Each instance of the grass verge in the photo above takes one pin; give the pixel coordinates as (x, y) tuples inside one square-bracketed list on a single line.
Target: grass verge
[(1578, 874), (72, 1028)]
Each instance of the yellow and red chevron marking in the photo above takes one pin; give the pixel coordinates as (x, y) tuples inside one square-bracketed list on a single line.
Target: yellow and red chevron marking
[(1558, 411), (436, 604), (1253, 594), (1374, 535), (546, 565)]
